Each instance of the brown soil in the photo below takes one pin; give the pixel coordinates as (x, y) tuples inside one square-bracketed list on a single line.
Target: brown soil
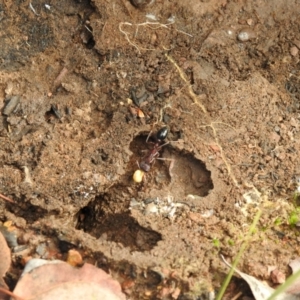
[(93, 78)]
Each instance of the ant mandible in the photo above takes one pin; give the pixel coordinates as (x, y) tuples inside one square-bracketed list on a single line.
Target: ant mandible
[(149, 158)]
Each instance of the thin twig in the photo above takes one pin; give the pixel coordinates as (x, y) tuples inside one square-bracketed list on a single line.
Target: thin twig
[(6, 198), (32, 8), (237, 296), (180, 31), (60, 76)]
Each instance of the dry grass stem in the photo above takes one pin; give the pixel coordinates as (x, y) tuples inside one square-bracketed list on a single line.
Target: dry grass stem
[(6, 198)]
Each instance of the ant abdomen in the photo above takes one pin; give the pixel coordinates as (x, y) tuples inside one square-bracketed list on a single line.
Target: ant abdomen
[(144, 166)]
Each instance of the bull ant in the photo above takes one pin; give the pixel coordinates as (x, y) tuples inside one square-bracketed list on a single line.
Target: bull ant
[(153, 153)]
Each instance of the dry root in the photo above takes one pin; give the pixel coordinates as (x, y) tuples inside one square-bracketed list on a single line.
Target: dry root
[(212, 124), (151, 25)]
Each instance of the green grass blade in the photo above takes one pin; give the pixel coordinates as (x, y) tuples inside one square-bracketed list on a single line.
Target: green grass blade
[(237, 259)]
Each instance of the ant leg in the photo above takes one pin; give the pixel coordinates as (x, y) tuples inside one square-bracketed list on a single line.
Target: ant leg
[(171, 167), (166, 143), (164, 158), (148, 136), (154, 157), (137, 162)]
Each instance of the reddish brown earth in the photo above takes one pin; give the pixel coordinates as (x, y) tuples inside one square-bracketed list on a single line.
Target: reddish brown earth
[(223, 76)]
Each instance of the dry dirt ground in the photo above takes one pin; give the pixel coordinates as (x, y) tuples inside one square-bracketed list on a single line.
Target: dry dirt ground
[(82, 83)]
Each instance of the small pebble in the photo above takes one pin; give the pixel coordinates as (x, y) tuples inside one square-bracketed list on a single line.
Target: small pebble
[(277, 128), (74, 258), (277, 277), (11, 105), (41, 249), (246, 34), (9, 88), (127, 284), (294, 51), (250, 22)]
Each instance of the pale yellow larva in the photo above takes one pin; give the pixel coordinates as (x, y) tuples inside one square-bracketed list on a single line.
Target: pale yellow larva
[(138, 176)]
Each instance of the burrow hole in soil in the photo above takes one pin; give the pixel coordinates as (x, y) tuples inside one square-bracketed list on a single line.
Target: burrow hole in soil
[(185, 175), (107, 217), (98, 219), (158, 174)]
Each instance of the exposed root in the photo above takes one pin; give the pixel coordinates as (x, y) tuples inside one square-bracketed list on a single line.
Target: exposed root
[(151, 25), (197, 102), (127, 37), (154, 26), (190, 89), (161, 112)]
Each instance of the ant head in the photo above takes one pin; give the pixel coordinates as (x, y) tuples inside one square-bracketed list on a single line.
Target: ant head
[(162, 134)]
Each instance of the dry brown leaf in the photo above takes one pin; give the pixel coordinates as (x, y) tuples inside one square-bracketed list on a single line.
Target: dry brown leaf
[(5, 256), (5, 261), (260, 290), (51, 279), (78, 290)]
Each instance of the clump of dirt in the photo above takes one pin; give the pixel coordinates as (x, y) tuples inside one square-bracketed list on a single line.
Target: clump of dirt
[(82, 85)]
